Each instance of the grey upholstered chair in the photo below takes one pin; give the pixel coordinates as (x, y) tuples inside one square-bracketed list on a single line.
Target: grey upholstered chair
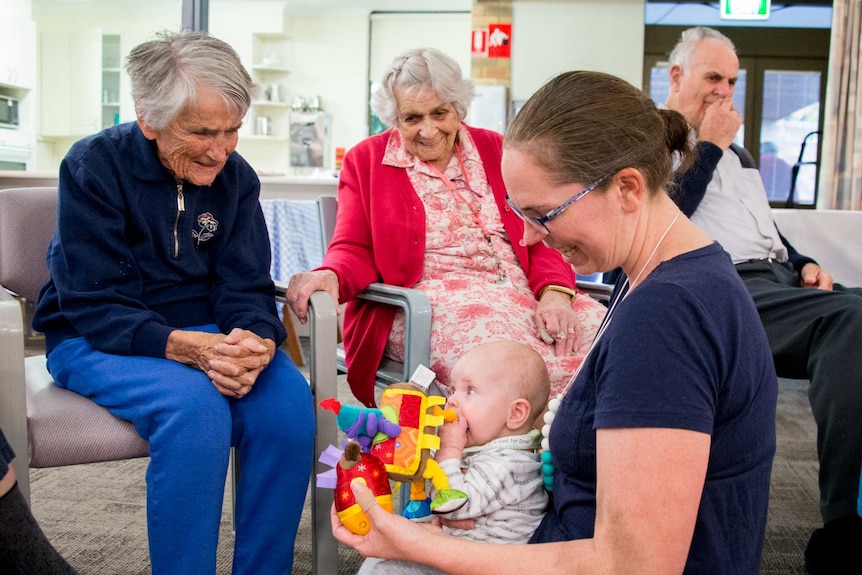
[(48, 426), (57, 427)]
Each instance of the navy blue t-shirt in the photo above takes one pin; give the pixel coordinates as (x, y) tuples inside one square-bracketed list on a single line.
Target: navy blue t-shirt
[(684, 350)]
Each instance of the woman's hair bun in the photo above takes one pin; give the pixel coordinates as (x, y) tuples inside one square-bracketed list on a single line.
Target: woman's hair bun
[(676, 130)]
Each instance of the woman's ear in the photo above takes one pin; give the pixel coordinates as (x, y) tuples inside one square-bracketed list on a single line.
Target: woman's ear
[(632, 188), (149, 133), (519, 414)]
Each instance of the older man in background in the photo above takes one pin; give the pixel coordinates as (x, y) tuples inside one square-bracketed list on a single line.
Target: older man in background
[(814, 326)]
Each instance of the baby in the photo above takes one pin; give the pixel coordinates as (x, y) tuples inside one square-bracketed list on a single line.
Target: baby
[(491, 451)]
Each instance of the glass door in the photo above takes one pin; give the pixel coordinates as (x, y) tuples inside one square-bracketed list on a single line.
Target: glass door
[(790, 123)]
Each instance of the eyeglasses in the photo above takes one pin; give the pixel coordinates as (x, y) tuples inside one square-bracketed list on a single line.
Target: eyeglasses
[(540, 222)]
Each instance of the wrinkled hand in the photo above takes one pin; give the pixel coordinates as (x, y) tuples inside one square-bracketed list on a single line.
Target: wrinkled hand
[(232, 362), (453, 439), (720, 123), (814, 276), (302, 285), (391, 536), (555, 316)]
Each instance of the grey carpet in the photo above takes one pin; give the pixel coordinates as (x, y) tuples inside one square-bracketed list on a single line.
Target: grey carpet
[(94, 514)]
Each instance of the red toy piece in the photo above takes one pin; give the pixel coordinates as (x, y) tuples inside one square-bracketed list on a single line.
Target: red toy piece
[(355, 465)]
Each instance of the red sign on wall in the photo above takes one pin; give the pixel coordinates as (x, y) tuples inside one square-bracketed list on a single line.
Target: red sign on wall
[(479, 43), (499, 40)]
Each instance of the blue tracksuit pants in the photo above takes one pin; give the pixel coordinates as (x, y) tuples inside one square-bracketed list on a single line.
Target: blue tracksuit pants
[(191, 427)]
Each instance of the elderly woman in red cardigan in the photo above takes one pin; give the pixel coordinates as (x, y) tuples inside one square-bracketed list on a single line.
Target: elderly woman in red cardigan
[(423, 205)]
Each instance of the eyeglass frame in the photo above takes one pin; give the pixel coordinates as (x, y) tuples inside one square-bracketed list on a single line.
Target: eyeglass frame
[(541, 221)]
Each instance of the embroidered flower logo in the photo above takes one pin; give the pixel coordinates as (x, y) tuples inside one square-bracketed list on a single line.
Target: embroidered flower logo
[(207, 224)]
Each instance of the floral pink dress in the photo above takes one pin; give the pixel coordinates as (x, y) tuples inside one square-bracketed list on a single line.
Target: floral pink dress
[(477, 288)]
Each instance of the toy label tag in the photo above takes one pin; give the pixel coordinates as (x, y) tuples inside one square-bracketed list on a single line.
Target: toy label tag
[(423, 377)]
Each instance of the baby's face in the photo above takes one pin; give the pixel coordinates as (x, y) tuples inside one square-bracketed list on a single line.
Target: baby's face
[(482, 397)]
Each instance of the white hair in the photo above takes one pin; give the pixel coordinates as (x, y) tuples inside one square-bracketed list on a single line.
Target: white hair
[(419, 69), (683, 50), (166, 74)]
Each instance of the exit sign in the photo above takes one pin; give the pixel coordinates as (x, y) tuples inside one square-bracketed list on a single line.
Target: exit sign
[(744, 9)]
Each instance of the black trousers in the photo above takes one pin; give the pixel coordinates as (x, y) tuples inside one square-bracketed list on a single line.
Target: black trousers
[(817, 335)]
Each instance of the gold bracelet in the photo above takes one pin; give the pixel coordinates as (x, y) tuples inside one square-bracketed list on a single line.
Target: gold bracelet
[(562, 289)]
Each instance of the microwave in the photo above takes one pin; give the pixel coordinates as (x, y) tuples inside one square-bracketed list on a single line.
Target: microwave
[(8, 112)]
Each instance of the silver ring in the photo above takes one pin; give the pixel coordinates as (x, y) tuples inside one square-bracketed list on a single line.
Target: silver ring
[(561, 334)]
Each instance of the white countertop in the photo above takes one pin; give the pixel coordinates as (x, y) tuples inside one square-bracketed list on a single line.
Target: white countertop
[(271, 187), (301, 180)]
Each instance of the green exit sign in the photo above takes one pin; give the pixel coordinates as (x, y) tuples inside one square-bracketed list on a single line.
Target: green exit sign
[(745, 9)]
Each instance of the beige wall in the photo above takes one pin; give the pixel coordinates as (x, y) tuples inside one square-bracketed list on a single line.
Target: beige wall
[(330, 47), (551, 37)]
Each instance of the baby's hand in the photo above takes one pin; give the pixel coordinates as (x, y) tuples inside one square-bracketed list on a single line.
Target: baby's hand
[(453, 439)]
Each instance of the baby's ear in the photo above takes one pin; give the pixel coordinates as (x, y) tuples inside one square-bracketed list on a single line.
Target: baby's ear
[(520, 414)]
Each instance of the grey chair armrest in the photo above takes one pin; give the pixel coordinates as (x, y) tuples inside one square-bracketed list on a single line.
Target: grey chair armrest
[(13, 398), (596, 290), (323, 380), (417, 329)]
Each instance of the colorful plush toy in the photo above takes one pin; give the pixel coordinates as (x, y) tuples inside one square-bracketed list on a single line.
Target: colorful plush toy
[(355, 465), (361, 424), (407, 454)]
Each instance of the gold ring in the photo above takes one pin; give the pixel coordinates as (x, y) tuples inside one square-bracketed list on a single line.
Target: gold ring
[(571, 330)]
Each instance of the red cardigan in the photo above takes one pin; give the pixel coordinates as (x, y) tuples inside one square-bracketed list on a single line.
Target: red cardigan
[(380, 237)]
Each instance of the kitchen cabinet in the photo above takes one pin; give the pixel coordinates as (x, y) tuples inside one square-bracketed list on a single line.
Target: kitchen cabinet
[(17, 47), (71, 82)]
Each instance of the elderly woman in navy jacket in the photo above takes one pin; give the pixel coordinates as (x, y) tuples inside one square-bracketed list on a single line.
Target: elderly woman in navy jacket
[(160, 307)]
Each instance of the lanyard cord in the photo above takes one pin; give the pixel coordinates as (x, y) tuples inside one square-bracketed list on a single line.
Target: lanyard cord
[(450, 185)]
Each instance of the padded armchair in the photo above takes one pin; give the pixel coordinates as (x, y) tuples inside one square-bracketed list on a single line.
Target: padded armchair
[(48, 426)]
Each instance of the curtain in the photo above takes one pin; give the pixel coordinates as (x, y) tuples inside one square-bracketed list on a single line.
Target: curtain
[(841, 156)]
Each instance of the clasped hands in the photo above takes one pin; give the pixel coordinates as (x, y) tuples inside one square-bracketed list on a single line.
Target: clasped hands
[(232, 362)]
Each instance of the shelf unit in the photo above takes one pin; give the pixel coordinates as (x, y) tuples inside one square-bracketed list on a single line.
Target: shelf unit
[(110, 79), (270, 68)]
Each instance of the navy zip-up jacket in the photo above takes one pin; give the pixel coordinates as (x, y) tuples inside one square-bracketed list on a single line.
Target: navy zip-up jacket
[(137, 253)]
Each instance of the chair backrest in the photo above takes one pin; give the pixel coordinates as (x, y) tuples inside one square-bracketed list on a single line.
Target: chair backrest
[(326, 209), (27, 220)]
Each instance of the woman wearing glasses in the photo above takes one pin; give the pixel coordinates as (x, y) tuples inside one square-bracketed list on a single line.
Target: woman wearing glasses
[(422, 205), (663, 442)]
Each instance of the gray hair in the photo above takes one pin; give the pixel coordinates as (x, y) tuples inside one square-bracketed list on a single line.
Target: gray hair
[(419, 69), (688, 41), (166, 74)]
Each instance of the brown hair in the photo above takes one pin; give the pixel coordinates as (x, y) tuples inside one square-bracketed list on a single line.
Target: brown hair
[(581, 126)]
